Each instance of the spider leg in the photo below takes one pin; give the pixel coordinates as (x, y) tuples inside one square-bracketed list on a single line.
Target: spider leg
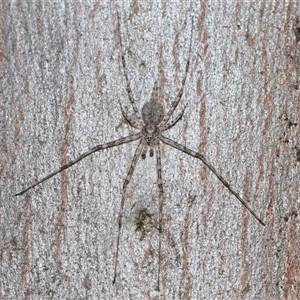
[(203, 159), (128, 88), (179, 96), (136, 156), (160, 209), (174, 121), (154, 94), (131, 122), (118, 142)]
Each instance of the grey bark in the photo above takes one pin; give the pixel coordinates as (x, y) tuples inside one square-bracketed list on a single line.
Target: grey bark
[(61, 79)]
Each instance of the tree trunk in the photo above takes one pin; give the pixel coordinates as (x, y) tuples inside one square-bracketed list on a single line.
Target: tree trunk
[(61, 83)]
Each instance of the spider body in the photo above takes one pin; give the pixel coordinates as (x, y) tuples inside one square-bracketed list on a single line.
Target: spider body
[(152, 112)]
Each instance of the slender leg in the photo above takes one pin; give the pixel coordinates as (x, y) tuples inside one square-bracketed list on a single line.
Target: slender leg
[(132, 123), (173, 122), (160, 209), (154, 94), (128, 88), (121, 141), (179, 96), (203, 159), (137, 154)]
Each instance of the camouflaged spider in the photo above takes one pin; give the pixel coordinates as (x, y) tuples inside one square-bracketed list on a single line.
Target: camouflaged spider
[(151, 123)]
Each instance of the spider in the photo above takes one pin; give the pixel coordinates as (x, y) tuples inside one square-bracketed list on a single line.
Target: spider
[(143, 221), (152, 122)]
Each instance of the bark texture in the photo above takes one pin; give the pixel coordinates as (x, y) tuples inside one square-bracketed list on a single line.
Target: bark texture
[(61, 80)]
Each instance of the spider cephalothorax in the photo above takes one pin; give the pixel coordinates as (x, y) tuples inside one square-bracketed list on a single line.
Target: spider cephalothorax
[(150, 134)]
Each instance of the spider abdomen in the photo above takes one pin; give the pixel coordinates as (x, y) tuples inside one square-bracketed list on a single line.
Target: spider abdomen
[(152, 112)]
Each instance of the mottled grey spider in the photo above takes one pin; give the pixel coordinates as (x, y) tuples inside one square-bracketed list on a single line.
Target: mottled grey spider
[(151, 123), (143, 221)]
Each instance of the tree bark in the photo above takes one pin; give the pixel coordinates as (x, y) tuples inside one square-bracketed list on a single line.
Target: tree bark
[(61, 83)]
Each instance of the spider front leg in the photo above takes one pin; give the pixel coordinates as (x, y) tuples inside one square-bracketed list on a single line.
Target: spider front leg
[(160, 208), (203, 159), (135, 159), (118, 142)]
